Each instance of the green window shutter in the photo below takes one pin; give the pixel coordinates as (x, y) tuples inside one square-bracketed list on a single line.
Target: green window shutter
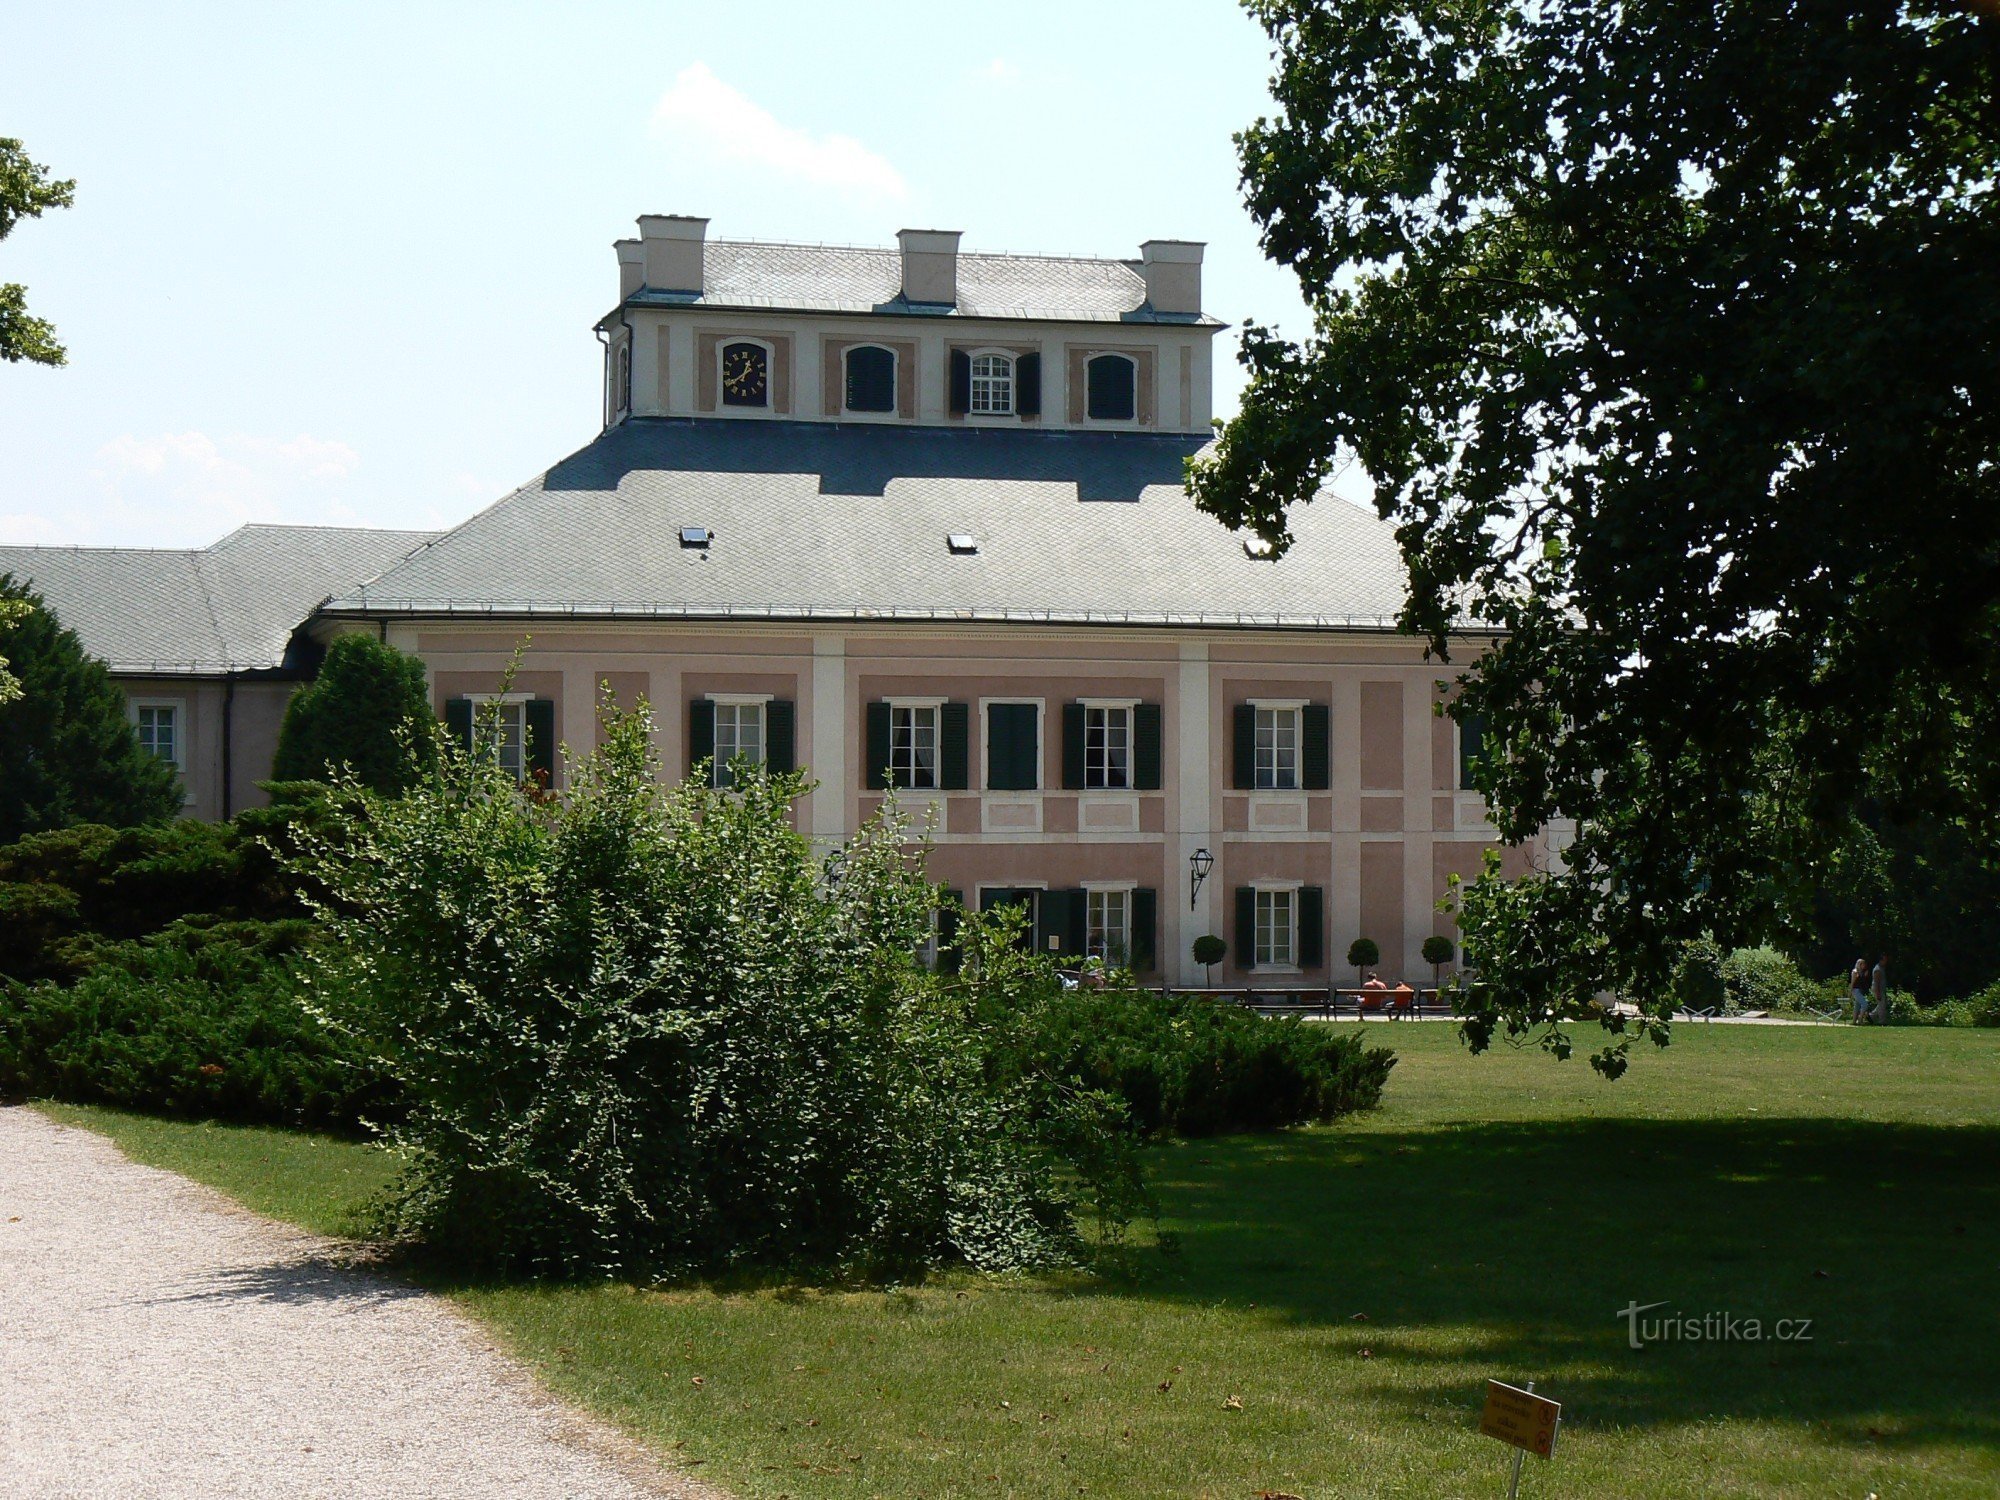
[(701, 733), (871, 379), (780, 736), (1109, 383), (1312, 927), (954, 747), (1028, 385), (1246, 747), (541, 758), (961, 382), (947, 930), (1145, 930), (1060, 915), (1013, 747), (1072, 762), (1471, 745), (1315, 749), (458, 721), (875, 772), (1146, 747), (1246, 926)]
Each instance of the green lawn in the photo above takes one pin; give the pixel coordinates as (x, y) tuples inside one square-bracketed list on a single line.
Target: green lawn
[(1354, 1287)]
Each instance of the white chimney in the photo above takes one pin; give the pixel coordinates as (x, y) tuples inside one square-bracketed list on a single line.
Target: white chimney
[(631, 266), (1172, 269), (672, 245), (930, 265)]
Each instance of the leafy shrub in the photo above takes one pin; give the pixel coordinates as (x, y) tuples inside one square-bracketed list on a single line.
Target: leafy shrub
[(642, 1028), (1184, 1065), (1764, 979), (367, 711), (198, 1021), (1982, 1009)]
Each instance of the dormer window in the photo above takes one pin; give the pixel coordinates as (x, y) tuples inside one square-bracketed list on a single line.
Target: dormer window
[(871, 379), (992, 385), (1111, 384), (746, 374)]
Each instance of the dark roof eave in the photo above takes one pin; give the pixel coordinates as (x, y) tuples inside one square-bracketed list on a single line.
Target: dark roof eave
[(648, 300), (412, 609)]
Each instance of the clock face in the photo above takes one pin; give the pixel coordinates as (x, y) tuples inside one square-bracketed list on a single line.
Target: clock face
[(744, 377)]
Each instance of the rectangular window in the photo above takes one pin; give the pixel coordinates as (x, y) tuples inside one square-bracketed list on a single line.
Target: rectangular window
[(1277, 929), (913, 745), (1107, 748), (1108, 928), (739, 730), (1471, 750), (159, 733), (993, 384), (1277, 749), (500, 729)]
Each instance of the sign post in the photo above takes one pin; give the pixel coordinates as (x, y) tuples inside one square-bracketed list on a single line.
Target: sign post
[(1519, 1417)]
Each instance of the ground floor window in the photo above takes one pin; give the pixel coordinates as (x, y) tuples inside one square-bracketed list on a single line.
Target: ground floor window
[(500, 730), (160, 731), (1277, 929), (1108, 926)]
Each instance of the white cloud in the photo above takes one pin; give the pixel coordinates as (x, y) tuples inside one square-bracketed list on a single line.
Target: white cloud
[(702, 113), (187, 488), (998, 71)]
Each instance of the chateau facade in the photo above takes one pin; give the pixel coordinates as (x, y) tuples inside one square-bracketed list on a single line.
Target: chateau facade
[(914, 517)]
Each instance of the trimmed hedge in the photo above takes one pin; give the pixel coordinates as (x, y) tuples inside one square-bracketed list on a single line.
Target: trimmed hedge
[(1185, 1065)]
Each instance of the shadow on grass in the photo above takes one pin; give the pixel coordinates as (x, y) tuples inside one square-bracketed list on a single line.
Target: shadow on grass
[(1508, 1250)]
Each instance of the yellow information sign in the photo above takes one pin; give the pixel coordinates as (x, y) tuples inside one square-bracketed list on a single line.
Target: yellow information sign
[(1521, 1418)]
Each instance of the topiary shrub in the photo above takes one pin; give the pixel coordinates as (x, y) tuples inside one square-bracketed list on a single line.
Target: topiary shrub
[(1363, 953), (1184, 1065), (1438, 951), (1210, 950), (367, 711)]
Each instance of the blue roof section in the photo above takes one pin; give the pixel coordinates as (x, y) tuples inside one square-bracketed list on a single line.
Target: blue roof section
[(862, 458)]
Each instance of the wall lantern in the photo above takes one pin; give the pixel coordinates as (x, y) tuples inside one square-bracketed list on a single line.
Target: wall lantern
[(1199, 864)]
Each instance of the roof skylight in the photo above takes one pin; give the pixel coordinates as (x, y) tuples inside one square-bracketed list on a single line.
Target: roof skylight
[(962, 543)]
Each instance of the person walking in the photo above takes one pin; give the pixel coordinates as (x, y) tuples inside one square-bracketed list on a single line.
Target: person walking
[(1878, 984), (1857, 990)]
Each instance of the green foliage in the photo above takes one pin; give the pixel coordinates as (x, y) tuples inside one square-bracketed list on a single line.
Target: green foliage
[(1210, 950), (26, 192), (66, 894), (1364, 953), (1982, 1009), (1184, 1065), (641, 1027), (67, 753), (1439, 950), (368, 711), (1632, 315), (197, 1021), (1765, 979)]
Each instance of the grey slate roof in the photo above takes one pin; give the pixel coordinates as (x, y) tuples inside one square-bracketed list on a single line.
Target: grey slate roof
[(226, 608), (849, 522), (866, 279)]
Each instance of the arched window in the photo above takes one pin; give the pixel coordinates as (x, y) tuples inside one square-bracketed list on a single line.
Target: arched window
[(746, 374), (1112, 384), (993, 384), (871, 378)]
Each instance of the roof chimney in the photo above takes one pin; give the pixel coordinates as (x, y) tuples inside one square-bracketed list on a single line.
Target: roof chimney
[(1172, 269), (930, 265), (672, 245), (631, 266)]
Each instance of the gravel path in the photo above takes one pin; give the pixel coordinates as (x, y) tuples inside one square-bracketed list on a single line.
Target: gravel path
[(156, 1340)]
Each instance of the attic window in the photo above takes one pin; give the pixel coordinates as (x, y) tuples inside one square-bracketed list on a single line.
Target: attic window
[(696, 536), (962, 544), (1260, 549)]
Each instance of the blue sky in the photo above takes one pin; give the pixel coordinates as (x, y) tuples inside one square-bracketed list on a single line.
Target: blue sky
[(340, 265)]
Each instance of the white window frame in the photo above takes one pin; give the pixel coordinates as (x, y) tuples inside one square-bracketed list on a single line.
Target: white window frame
[(895, 411), (995, 384), (1041, 707), (1098, 905), (178, 708), (735, 703), (1266, 901), (934, 707), (514, 706), (1107, 706), (1097, 354), (1280, 710), (770, 406)]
